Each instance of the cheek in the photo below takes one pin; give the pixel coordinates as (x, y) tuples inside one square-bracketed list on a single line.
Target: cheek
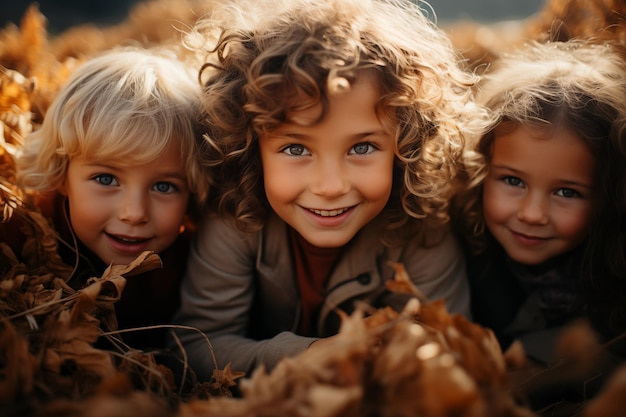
[(276, 188), (281, 184), (84, 210), (170, 224), (86, 220), (376, 187), (576, 226), (495, 206), (376, 182), (174, 216)]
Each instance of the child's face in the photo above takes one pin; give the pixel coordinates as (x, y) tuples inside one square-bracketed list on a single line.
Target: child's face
[(329, 180), (538, 195), (119, 211)]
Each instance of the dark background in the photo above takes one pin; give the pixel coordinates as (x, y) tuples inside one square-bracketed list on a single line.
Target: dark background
[(62, 14)]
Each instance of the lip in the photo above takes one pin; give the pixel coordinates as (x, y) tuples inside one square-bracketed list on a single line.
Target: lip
[(529, 240), (128, 244), (331, 217)]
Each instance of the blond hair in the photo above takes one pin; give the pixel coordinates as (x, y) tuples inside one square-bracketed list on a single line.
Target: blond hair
[(126, 106)]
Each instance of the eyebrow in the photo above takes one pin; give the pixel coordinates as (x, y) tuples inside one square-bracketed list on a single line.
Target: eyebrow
[(579, 184), (302, 136), (182, 177), (564, 181), (170, 174)]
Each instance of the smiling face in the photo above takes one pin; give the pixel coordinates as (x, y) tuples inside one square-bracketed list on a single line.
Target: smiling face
[(119, 211), (538, 195), (330, 179)]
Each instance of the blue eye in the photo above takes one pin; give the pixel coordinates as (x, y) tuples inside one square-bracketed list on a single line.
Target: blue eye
[(105, 179), (362, 148), (165, 187)]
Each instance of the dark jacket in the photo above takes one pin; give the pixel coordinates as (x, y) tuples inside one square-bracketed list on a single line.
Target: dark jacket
[(148, 299)]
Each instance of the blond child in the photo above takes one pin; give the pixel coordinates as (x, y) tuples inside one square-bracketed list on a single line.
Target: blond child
[(116, 165)]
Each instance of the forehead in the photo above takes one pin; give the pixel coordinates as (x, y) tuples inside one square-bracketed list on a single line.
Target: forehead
[(545, 153), (132, 149), (341, 96), (334, 88)]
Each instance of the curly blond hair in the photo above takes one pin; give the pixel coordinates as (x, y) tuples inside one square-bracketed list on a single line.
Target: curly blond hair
[(260, 56), (125, 105)]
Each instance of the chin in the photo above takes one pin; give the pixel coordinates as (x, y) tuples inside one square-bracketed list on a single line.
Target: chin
[(329, 243), (529, 261)]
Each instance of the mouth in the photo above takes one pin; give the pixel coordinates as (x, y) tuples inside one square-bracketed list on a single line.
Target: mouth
[(128, 240), (529, 239), (330, 213), (526, 236)]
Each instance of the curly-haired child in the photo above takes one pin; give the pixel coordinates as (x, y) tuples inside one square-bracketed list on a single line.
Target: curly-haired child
[(336, 126)]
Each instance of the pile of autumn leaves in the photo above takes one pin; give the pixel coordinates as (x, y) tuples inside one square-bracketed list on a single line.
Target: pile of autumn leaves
[(421, 362)]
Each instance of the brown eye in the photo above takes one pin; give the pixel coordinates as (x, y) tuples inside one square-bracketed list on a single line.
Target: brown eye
[(514, 181), (568, 193)]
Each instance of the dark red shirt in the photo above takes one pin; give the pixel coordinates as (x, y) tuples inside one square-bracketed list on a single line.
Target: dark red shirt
[(313, 266)]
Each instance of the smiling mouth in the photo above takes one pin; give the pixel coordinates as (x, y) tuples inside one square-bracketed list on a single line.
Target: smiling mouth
[(128, 240), (528, 237), (329, 213)]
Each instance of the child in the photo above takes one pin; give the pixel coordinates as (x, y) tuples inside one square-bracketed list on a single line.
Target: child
[(545, 205), (336, 125), (116, 164)]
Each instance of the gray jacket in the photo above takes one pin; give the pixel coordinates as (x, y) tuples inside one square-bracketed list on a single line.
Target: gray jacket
[(241, 290)]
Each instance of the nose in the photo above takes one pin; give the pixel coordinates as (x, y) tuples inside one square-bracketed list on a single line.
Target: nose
[(133, 208), (329, 179), (534, 209)]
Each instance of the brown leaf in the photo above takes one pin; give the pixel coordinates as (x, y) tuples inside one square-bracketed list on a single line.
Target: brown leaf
[(402, 283), (223, 380), (146, 261)]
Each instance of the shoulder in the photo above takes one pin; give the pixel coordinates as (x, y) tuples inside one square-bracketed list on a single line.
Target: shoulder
[(442, 256), (218, 234), (214, 227), (442, 242)]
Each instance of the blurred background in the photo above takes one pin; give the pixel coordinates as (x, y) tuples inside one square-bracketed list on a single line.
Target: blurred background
[(485, 11), (62, 14)]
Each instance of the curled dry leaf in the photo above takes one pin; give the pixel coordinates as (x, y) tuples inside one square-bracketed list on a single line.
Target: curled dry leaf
[(402, 282)]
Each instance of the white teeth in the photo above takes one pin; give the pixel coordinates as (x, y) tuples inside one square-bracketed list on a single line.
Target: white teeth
[(329, 213)]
